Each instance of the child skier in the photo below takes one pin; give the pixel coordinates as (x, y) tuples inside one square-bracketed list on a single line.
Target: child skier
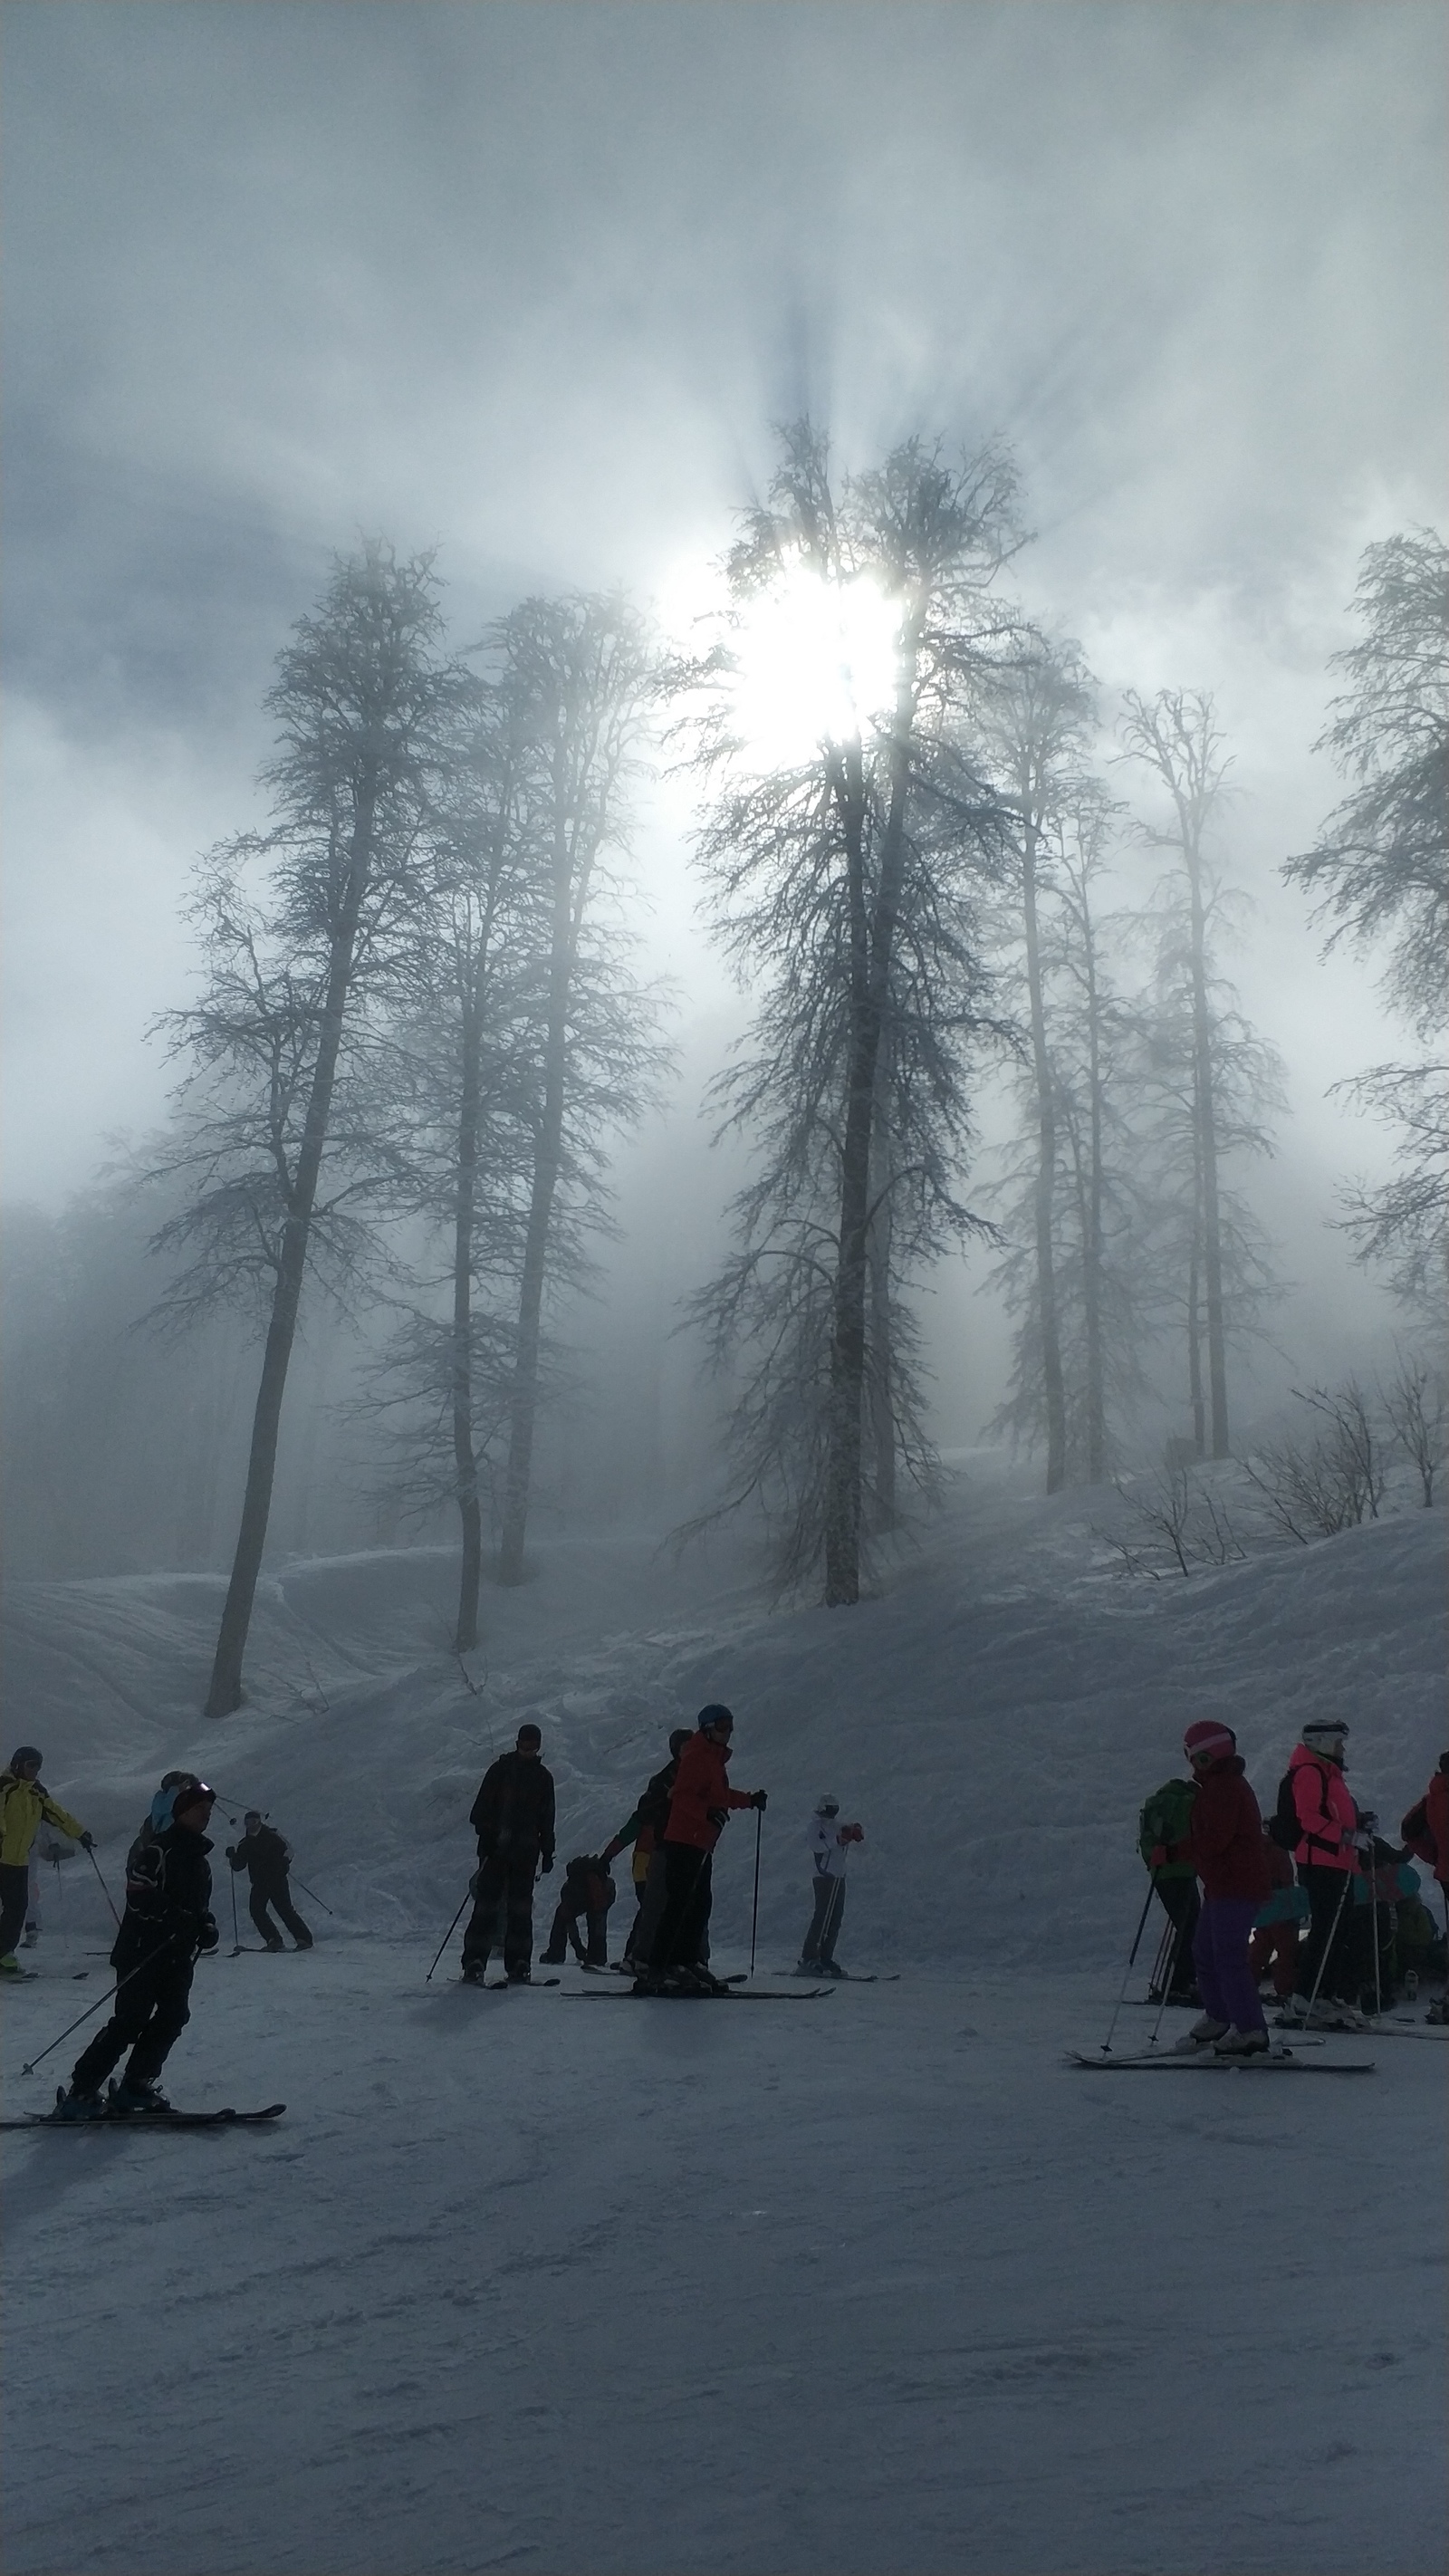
[(1327, 1858), (647, 1824), (829, 1843), (1276, 1925), (1163, 1822), (167, 1924), (587, 1890)]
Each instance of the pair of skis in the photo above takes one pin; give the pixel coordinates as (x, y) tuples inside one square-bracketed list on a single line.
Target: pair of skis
[(135, 2122), (1277, 2061)]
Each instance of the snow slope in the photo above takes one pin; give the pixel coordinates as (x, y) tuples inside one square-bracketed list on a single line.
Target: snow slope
[(872, 2285)]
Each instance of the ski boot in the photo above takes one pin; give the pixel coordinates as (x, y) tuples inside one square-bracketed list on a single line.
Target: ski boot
[(520, 1976), (1242, 2043), (11, 1967), (134, 2098), (1204, 2033), (1438, 2013), (276, 1945), (830, 1968), (475, 1972), (806, 1968), (76, 2105)]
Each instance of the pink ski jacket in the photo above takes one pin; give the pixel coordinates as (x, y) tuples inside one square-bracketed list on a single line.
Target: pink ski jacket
[(1326, 1812)]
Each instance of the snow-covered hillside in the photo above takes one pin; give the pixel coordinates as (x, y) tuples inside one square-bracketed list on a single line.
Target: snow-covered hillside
[(559, 2283), (998, 1715)]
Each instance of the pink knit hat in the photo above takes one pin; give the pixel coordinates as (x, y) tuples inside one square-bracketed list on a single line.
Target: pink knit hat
[(1208, 1740)]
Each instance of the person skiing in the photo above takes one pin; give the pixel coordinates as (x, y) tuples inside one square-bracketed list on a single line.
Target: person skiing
[(1275, 1937), (647, 1825), (1163, 1822), (167, 1924), (1326, 1856), (699, 1809), (1225, 1844), (829, 1843), (587, 1890), (266, 1857), (25, 1804), (1426, 1831), (513, 1818)]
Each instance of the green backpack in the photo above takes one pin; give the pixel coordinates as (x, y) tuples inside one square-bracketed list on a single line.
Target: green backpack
[(1165, 1819)]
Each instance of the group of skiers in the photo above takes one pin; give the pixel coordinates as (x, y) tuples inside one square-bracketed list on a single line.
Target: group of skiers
[(167, 1925), (675, 1827), (1312, 1897)]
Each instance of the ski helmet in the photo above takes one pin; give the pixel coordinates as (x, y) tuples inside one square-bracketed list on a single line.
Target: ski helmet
[(827, 1806), (192, 1793), (716, 1717), (679, 1737), (26, 1753), (1209, 1740), (1324, 1726)]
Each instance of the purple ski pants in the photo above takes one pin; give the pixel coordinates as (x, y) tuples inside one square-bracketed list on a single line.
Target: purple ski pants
[(1220, 1956)]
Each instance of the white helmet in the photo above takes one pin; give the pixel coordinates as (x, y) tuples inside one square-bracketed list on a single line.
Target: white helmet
[(827, 1806)]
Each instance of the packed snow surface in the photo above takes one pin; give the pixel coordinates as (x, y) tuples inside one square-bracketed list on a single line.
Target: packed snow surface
[(564, 2281)]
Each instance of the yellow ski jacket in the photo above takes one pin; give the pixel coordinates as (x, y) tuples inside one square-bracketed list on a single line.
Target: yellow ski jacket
[(23, 1805)]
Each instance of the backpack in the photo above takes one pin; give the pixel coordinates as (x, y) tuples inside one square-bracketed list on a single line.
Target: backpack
[(1285, 1826)]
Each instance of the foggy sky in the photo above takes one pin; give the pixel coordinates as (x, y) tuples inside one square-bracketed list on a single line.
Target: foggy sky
[(530, 283)]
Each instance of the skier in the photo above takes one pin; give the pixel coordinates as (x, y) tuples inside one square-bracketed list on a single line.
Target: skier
[(829, 1842), (1426, 1831), (24, 1804), (267, 1859), (1164, 1821), (1326, 1856), (587, 1890), (167, 1924), (513, 1818), (698, 1813), (1225, 1844), (1274, 1945), (647, 1825)]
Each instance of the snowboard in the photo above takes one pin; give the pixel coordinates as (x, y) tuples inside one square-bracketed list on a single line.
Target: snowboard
[(133, 2121), (1204, 2059)]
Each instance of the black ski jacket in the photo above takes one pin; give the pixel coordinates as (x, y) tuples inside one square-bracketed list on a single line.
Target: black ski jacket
[(168, 1900), (264, 1855), (513, 1812)]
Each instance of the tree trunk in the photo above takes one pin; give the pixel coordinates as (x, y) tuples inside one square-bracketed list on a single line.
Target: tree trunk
[(465, 1456), (882, 1407), (1045, 1191), (548, 1150), (1194, 1316), (225, 1693), (1208, 1172), (1092, 1228)]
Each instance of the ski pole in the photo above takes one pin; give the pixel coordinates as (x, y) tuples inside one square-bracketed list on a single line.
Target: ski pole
[(755, 1909), (1171, 1980), (1127, 1971), (1328, 1944), (235, 1932), (307, 1891), (105, 1891), (96, 2006), (1159, 1964), (447, 1936)]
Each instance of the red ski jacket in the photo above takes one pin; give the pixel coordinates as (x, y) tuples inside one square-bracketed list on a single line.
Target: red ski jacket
[(1225, 1837), (1426, 1827), (1325, 1811), (700, 1784)]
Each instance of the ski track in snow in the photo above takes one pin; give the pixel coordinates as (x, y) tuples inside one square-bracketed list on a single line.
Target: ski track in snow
[(880, 2286)]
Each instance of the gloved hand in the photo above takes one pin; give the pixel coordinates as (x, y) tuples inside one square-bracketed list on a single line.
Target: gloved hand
[(208, 1935), (88, 1842), (1361, 1841), (231, 1851), (855, 1833), (760, 1800)]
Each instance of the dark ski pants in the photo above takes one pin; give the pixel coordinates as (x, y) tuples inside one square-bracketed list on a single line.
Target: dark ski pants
[(566, 1929), (1220, 1955), (14, 1903), (826, 1920), (152, 2010), (688, 1895), (639, 1948), (1181, 1904), (502, 1904), (1327, 1889), (279, 1897)]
